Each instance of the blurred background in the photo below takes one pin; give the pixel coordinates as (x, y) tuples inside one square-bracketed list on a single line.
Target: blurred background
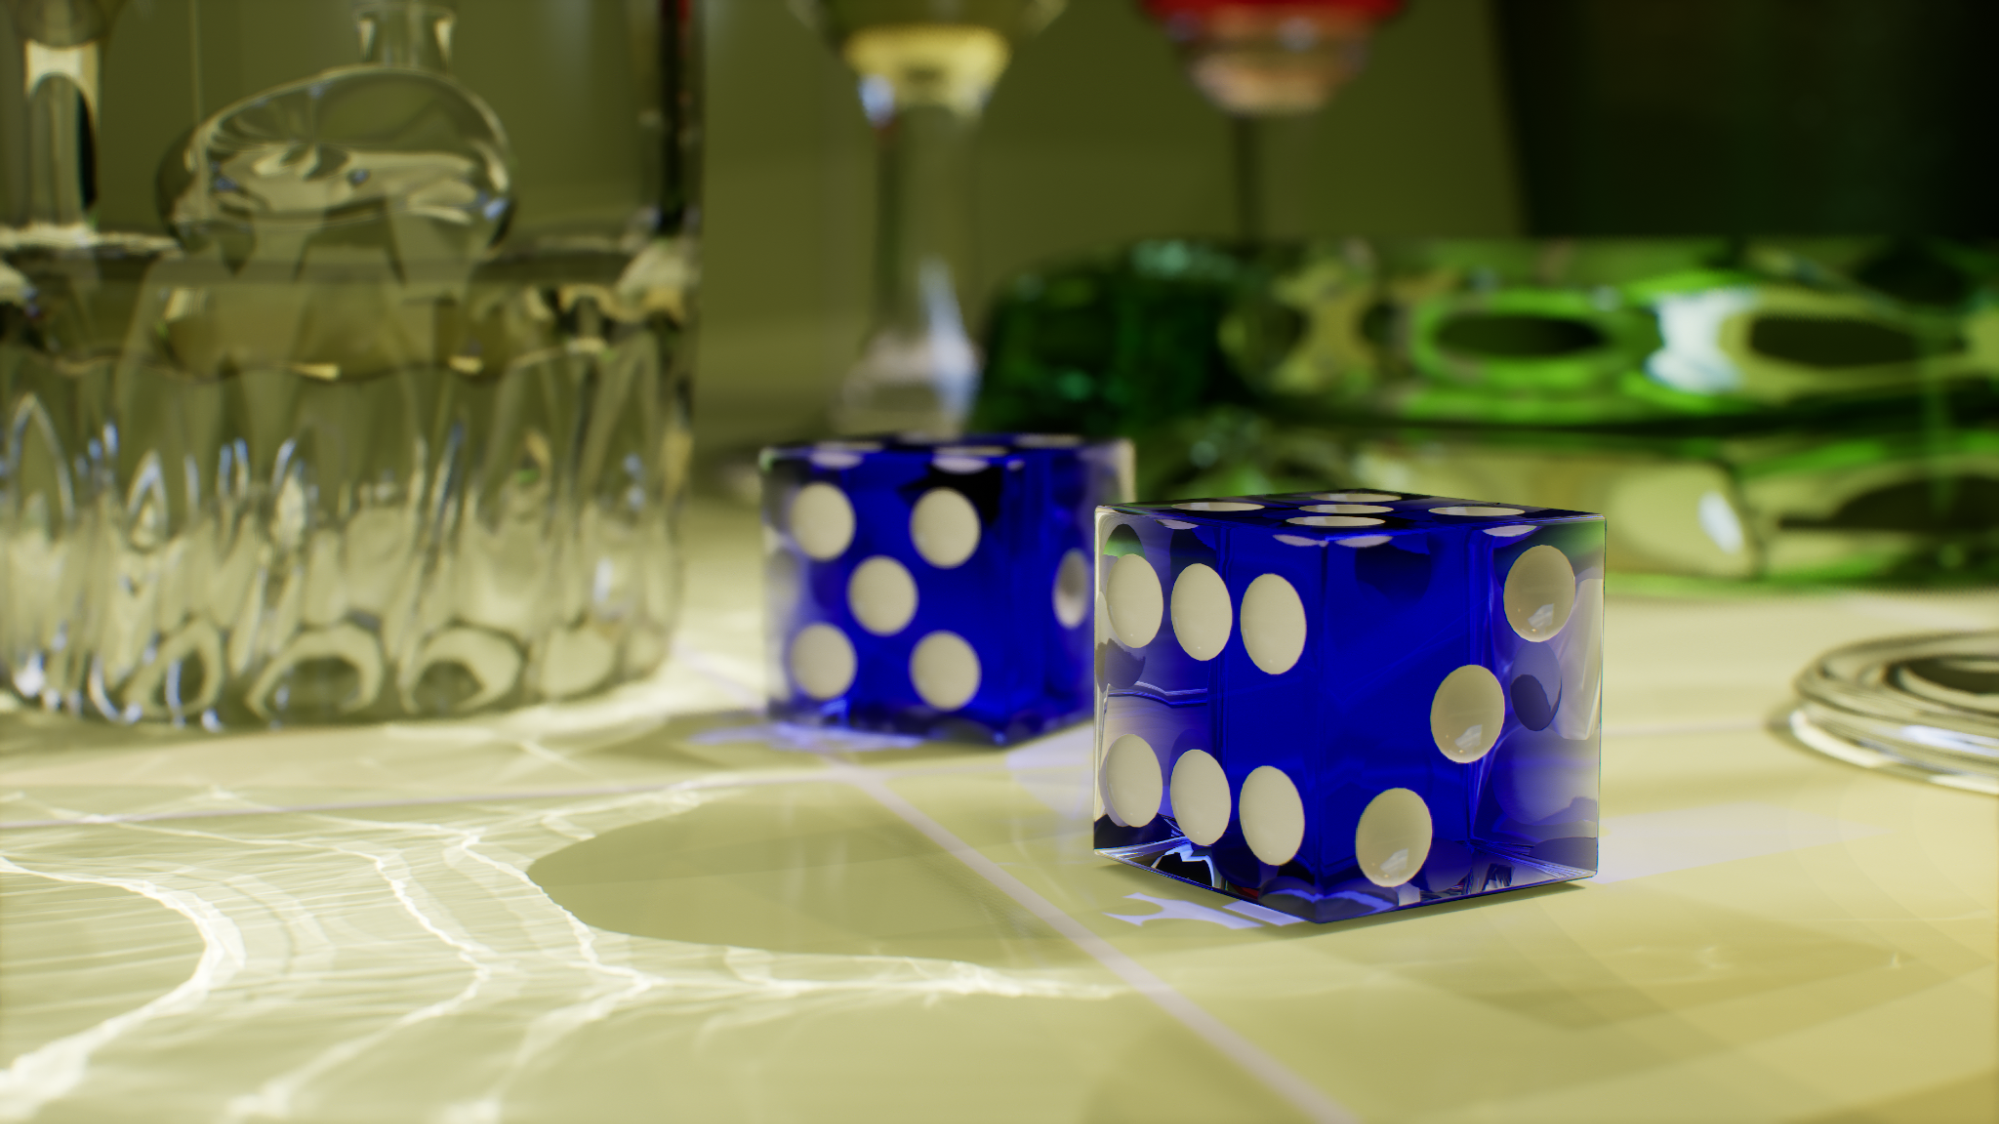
[(1473, 119), (1094, 138)]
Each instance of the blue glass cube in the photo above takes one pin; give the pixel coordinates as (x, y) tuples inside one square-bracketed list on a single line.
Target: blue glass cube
[(934, 589), (1342, 703)]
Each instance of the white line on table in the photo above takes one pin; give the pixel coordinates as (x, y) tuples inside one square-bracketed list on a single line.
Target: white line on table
[(1275, 1075)]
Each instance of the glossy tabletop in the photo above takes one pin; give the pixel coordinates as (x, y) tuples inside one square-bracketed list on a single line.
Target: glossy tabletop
[(658, 906)]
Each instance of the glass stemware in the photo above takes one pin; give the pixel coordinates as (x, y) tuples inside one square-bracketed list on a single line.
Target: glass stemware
[(1924, 707), (394, 423), (926, 68), (1271, 65)]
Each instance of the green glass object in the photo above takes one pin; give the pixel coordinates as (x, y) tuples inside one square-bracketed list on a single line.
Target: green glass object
[(1803, 409)]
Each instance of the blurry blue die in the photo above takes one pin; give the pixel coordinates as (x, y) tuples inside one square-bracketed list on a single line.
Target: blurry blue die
[(1342, 703), (940, 590)]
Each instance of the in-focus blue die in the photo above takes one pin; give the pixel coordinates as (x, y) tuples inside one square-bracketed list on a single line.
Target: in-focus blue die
[(935, 589), (1336, 704)]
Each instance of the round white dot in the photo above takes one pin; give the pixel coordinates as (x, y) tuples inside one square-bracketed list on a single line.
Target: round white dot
[(1393, 838), (1356, 497), (882, 595), (822, 661), (1359, 542), (1072, 589), (1474, 510), (1200, 792), (1540, 592), (1467, 712), (1273, 816), (944, 670), (1347, 509), (1132, 784), (1202, 615), (1510, 531), (1218, 506), (822, 520), (1334, 521), (1273, 624), (1135, 600), (1047, 441), (944, 527)]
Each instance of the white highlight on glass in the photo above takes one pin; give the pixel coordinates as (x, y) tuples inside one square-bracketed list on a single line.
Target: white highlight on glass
[(1132, 783), (1072, 589), (1693, 357), (1393, 838), (1135, 600), (1719, 520), (1346, 509), (822, 661), (822, 520), (1510, 531), (1540, 592), (1273, 624), (945, 527), (1200, 792), (882, 595), (1218, 506), (1273, 815), (1202, 615), (944, 670), (1467, 712)]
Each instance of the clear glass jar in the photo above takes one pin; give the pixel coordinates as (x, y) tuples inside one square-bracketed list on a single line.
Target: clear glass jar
[(343, 353)]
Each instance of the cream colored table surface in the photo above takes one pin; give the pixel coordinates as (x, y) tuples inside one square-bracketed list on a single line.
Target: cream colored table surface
[(655, 906)]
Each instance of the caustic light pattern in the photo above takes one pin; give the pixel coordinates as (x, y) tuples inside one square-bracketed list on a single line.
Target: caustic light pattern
[(1336, 704), (938, 589)]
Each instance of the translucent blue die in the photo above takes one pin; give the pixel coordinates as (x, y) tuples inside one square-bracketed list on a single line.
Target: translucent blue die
[(1342, 703), (932, 589)]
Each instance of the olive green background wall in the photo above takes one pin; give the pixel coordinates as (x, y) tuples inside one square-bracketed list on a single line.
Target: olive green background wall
[(1093, 138)]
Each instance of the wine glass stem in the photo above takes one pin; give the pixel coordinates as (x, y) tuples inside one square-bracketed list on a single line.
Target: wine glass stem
[(1246, 159), (918, 369), (923, 221), (1270, 166)]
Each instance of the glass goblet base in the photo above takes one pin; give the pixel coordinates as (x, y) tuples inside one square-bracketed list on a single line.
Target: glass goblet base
[(1924, 707)]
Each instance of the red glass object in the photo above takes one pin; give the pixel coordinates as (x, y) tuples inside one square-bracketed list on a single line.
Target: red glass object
[(1270, 58)]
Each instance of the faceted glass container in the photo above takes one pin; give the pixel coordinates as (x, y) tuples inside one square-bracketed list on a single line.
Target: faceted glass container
[(343, 353)]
